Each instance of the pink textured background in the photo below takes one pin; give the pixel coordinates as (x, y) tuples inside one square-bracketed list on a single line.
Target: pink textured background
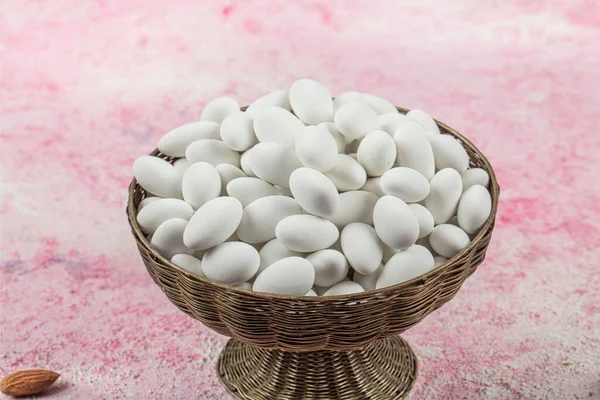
[(87, 86)]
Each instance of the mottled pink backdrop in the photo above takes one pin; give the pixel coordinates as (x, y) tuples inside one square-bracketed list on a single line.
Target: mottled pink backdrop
[(88, 86)]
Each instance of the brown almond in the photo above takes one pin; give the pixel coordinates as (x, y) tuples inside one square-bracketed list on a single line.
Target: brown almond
[(27, 382)]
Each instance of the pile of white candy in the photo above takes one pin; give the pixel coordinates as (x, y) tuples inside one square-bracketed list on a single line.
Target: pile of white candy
[(286, 196)]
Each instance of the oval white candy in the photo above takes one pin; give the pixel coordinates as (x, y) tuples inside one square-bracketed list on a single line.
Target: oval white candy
[(340, 140), (311, 101), (352, 147), (330, 266), (247, 189), (368, 282), (284, 191), (201, 183), (146, 201), (446, 189), (355, 120), (157, 212), (395, 223), (355, 206), (427, 123), (424, 218), (388, 252), (273, 163), (345, 287), (213, 152), (347, 97), (174, 142), (311, 293), (219, 108), (475, 176), (449, 153), (306, 233), (277, 125), (316, 148), (405, 183), (405, 265), (274, 251), (362, 247), (237, 131), (227, 173), (390, 122), (377, 153), (232, 263), (181, 165), (157, 176), (439, 260), (414, 149), (292, 276), (379, 105), (425, 243), (448, 240), (474, 208), (168, 238), (245, 163), (189, 263), (213, 223), (262, 216), (314, 192), (347, 174), (372, 185), (279, 98), (245, 286)]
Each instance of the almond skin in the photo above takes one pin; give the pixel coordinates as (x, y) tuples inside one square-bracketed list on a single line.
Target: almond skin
[(27, 382)]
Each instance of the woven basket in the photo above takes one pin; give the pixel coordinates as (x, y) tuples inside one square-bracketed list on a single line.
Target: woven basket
[(288, 347)]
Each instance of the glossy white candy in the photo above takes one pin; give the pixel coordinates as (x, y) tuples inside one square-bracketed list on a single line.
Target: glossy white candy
[(355, 206), (405, 183), (277, 125), (247, 189), (390, 122), (217, 109), (157, 176), (368, 282), (414, 149), (189, 263), (395, 223), (262, 216), (446, 189), (314, 192), (475, 176), (377, 153), (424, 218), (311, 101), (168, 238), (379, 105), (227, 173), (372, 185), (316, 148), (273, 163), (388, 252), (449, 153), (232, 263), (347, 174), (146, 201), (345, 287), (340, 140), (425, 120), (474, 208), (306, 233), (355, 120), (237, 131), (439, 260), (362, 247), (201, 183), (274, 251), (405, 265), (161, 210), (347, 97), (330, 266), (213, 152), (213, 223), (181, 165), (292, 276), (448, 240), (279, 98), (174, 142)]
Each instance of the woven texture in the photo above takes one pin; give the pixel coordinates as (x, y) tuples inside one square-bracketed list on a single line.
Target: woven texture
[(298, 324)]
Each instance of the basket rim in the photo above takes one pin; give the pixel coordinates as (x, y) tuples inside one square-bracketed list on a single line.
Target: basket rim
[(494, 190)]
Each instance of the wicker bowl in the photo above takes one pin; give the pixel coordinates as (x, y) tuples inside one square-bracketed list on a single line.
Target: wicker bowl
[(287, 347)]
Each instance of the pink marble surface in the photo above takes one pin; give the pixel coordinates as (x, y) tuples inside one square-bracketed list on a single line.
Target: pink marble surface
[(87, 86)]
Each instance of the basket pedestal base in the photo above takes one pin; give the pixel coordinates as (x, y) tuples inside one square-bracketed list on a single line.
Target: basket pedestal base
[(383, 370)]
